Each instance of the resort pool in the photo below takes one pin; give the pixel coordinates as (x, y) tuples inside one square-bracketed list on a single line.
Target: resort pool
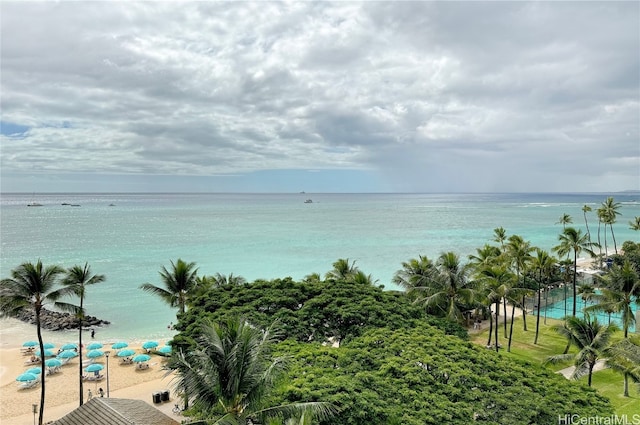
[(557, 310)]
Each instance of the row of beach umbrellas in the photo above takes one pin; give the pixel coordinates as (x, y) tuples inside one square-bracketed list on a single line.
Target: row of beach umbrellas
[(94, 349)]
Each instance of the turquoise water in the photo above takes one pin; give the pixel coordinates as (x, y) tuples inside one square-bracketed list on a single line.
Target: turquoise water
[(264, 236), (557, 311)]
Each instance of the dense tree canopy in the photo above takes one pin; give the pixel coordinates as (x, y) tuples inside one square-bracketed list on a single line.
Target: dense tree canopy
[(422, 376), (307, 311)]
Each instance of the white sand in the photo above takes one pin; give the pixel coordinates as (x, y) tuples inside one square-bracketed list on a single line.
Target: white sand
[(125, 381)]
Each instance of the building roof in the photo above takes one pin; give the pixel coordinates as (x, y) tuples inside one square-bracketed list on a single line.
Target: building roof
[(116, 411)]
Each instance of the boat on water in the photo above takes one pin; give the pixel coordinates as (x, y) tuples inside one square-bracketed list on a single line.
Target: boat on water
[(308, 201), (34, 204)]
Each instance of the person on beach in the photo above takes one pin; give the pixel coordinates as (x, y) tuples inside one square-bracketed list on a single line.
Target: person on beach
[(93, 333), (101, 392), (90, 395)]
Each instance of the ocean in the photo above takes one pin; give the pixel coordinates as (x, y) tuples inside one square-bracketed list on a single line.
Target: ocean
[(129, 237)]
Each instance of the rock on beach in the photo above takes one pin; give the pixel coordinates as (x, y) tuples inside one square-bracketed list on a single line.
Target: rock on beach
[(57, 321)]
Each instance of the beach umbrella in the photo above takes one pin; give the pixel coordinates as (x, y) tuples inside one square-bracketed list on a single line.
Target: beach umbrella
[(96, 367), (47, 353), (52, 363), (34, 371), (149, 345), (30, 344), (48, 345), (26, 377), (120, 344), (94, 346), (165, 350), (126, 352), (141, 358), (69, 346), (67, 354), (93, 354)]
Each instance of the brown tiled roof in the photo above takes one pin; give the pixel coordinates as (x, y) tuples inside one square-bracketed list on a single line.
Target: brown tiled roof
[(116, 411)]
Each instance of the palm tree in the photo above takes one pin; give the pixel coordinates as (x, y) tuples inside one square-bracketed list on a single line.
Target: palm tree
[(33, 286), (585, 209), (231, 371), (448, 290), (77, 280), (495, 282), (179, 284), (622, 291), (543, 263), (624, 357), (564, 220), (635, 223), (519, 251), (342, 270), (500, 236), (590, 338), (610, 208), (414, 273), (573, 240)]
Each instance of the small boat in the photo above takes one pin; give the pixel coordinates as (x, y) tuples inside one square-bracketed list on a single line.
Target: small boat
[(74, 205), (34, 204), (308, 201)]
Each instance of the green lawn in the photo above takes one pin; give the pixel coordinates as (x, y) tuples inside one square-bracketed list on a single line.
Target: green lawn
[(607, 382)]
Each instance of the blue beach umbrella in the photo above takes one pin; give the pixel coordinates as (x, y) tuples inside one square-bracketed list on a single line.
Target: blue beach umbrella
[(26, 377), (93, 354), (69, 346), (30, 344), (140, 358), (149, 345), (67, 354), (120, 344), (126, 352), (48, 345), (52, 363), (34, 371), (96, 367), (47, 353), (165, 350), (94, 346)]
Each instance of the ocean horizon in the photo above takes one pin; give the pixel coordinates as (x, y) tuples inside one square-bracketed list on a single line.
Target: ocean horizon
[(129, 237)]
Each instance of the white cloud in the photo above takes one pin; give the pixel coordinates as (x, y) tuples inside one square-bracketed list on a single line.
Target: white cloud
[(421, 92)]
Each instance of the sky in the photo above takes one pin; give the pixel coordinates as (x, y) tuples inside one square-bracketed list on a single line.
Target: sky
[(319, 96)]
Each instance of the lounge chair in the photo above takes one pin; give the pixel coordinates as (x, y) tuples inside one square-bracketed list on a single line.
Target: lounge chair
[(143, 366), (126, 360), (28, 384), (52, 370), (32, 360)]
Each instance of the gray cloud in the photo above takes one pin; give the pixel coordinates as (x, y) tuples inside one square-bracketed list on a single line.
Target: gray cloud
[(428, 95)]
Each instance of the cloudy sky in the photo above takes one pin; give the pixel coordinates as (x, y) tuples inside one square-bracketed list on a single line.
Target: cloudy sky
[(319, 96)]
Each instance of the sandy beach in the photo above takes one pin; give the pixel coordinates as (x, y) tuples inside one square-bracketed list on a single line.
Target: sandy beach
[(125, 381)]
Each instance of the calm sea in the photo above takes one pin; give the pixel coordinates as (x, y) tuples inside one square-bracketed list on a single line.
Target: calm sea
[(129, 237)]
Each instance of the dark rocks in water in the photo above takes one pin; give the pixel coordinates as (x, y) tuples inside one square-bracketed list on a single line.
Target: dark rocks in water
[(56, 321)]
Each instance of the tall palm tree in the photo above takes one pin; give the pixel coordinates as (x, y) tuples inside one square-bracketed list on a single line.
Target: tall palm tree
[(611, 207), (590, 338), (179, 283), (519, 251), (572, 240), (500, 236), (543, 263), (77, 280), (495, 282), (32, 286), (231, 371), (624, 357), (564, 220), (448, 290), (621, 292), (342, 270), (585, 209), (635, 223)]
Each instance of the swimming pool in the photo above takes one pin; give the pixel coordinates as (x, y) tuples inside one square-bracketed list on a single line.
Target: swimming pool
[(556, 310)]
